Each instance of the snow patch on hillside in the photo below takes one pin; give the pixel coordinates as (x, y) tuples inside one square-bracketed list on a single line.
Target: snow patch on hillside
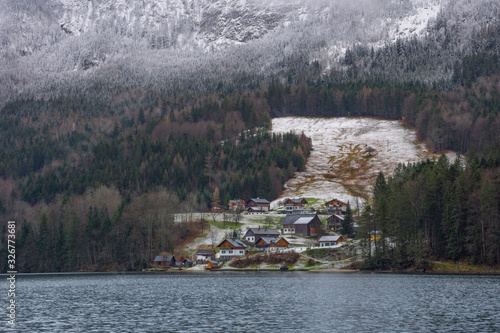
[(416, 24), (348, 154)]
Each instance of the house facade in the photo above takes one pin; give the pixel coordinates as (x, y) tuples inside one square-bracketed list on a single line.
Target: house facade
[(236, 205), (253, 234), (295, 206), (271, 244), (211, 264), (301, 224), (334, 222), (165, 259), (257, 210), (259, 204), (231, 248), (202, 255), (336, 206), (330, 240)]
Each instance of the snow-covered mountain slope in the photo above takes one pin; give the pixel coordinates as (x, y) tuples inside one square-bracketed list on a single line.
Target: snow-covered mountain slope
[(348, 154), (47, 47), (212, 24)]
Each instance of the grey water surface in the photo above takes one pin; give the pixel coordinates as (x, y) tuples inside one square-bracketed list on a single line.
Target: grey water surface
[(256, 301)]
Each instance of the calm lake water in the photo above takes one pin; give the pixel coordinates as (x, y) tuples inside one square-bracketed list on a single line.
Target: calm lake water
[(256, 301)]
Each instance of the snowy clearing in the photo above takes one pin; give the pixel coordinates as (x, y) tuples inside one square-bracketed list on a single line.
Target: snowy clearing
[(348, 154)]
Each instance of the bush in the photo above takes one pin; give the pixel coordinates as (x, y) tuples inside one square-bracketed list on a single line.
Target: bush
[(287, 258)]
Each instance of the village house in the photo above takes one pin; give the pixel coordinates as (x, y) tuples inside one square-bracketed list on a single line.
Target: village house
[(211, 264), (188, 263), (257, 210), (165, 259), (258, 205), (302, 224), (334, 222), (230, 248), (330, 240), (237, 205), (295, 206), (253, 234), (336, 206), (271, 244), (202, 255)]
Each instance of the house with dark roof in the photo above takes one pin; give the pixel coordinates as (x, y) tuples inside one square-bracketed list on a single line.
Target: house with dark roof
[(271, 244), (188, 262), (334, 222), (202, 255), (295, 205), (165, 259), (232, 247), (258, 205), (302, 224), (253, 234), (330, 240), (257, 210)]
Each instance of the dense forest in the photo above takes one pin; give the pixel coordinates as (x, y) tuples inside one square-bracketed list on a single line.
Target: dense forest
[(434, 210), (99, 150)]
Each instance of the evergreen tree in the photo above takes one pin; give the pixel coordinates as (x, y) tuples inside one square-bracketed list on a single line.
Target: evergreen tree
[(265, 184), (347, 224)]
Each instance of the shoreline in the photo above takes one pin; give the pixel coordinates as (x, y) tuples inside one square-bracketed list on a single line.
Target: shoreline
[(253, 270)]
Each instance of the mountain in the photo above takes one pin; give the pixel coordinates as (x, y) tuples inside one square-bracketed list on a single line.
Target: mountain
[(55, 48)]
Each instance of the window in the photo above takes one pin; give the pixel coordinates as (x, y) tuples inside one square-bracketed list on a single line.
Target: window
[(241, 251), (223, 251), (230, 251)]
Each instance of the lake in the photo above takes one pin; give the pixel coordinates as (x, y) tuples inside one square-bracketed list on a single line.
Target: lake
[(256, 301)]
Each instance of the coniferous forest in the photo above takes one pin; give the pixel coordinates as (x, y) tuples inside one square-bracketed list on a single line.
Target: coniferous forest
[(94, 164)]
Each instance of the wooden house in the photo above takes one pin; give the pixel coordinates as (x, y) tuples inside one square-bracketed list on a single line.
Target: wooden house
[(257, 210), (253, 234), (188, 263), (211, 264), (258, 205), (330, 240), (271, 244), (237, 205), (230, 248), (202, 255), (336, 206), (302, 224), (295, 205), (165, 259), (334, 222)]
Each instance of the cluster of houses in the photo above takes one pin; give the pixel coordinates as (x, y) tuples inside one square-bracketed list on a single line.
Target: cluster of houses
[(290, 206), (252, 206), (298, 221)]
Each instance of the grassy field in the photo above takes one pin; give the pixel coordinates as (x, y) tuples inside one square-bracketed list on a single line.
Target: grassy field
[(227, 225)]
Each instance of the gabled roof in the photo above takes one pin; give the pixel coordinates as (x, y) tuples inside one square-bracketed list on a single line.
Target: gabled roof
[(205, 252), (235, 242), (235, 200), (262, 231), (340, 217), (329, 238), (270, 240), (296, 200), (164, 258), (339, 201), (259, 200), (293, 219)]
